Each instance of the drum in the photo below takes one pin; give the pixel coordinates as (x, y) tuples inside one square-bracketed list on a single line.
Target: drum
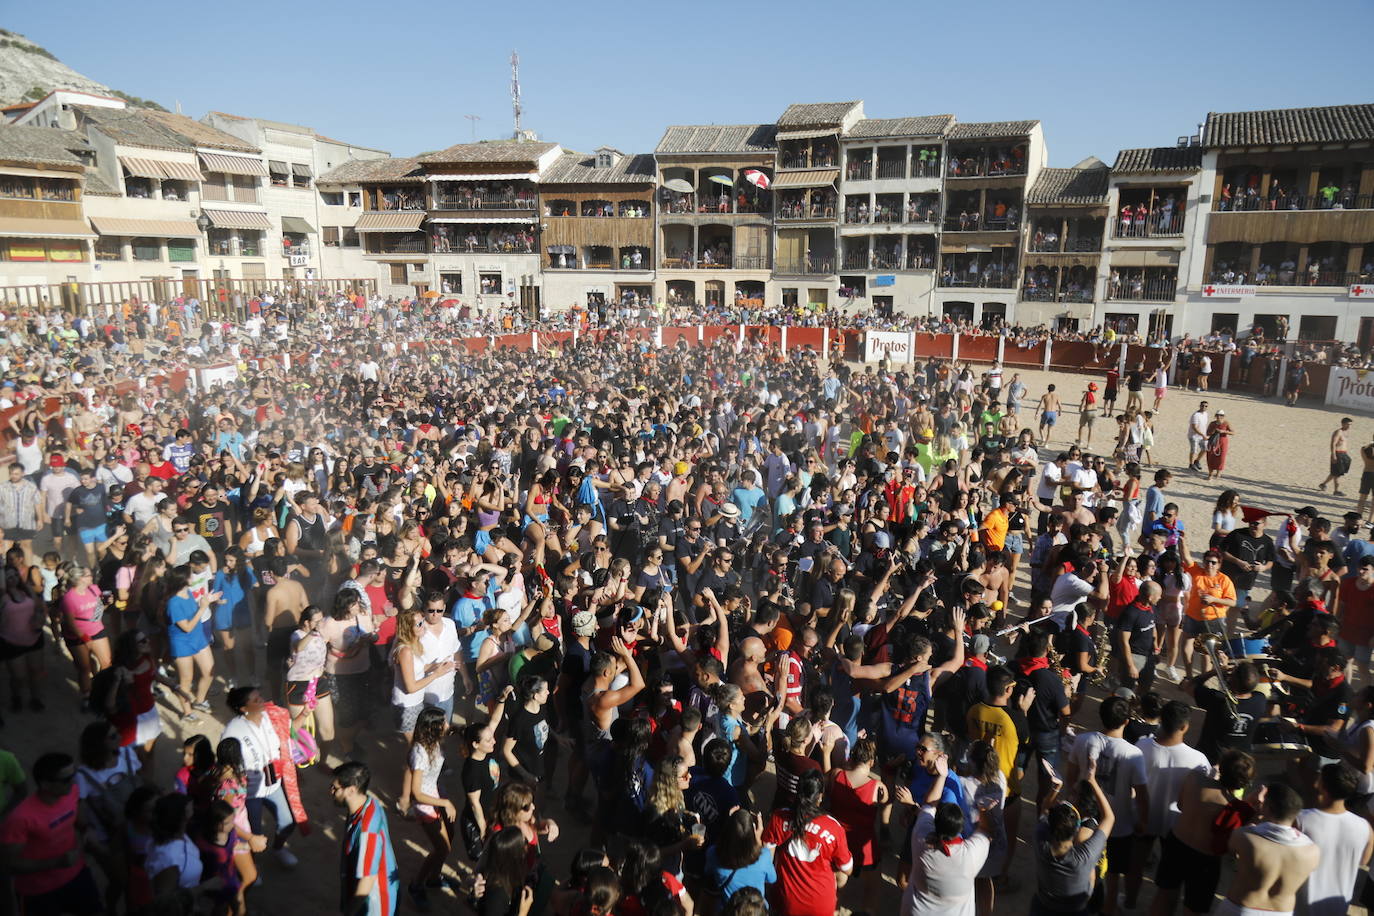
[(1245, 647), (1271, 741)]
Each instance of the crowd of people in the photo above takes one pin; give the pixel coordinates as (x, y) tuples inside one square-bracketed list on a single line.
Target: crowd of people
[(748, 622)]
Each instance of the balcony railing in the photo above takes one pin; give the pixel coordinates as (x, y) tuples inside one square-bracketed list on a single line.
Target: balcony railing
[(972, 222), (1153, 225), (928, 169), (961, 168), (398, 246), (1256, 204), (300, 248), (859, 171), (221, 247), (854, 217), (819, 161), (980, 280), (403, 202), (1322, 277), (479, 202), (893, 169), (1037, 294), (802, 211), (855, 261), (1128, 290), (751, 262), (807, 266), (917, 261), (1071, 244)]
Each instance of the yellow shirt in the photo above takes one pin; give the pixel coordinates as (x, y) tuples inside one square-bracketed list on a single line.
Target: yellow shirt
[(993, 725)]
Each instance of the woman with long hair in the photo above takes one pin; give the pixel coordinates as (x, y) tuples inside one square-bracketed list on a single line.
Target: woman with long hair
[(308, 689), (810, 847), (22, 614), (263, 529), (410, 673), (1175, 582), (187, 638), (514, 810), (220, 847), (435, 814), (173, 863), (1226, 516), (623, 787), (649, 887), (83, 628), (986, 785), (668, 823), (106, 775), (234, 613), (1357, 739), (490, 650), (230, 782), (137, 717), (125, 604), (855, 795), (739, 859), (479, 776), (504, 866)]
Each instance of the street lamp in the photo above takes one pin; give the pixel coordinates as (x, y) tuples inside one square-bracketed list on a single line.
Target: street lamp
[(203, 223)]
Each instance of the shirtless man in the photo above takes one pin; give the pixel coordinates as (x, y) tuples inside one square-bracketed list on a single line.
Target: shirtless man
[(1190, 859), (284, 603), (1273, 858), (1340, 458), (747, 674), (995, 579), (1366, 481), (1048, 410), (603, 703)]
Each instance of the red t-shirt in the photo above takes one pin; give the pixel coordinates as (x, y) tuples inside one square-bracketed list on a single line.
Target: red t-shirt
[(45, 832), (806, 865), (1123, 593), (1357, 612)]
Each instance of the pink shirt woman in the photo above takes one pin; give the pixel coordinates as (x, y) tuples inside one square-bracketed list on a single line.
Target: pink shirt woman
[(83, 612)]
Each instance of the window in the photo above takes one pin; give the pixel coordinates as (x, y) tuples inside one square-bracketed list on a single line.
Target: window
[(140, 188), (250, 242), (490, 284), (175, 190), (350, 239), (278, 174), (331, 236), (109, 248), (451, 283), (332, 198), (221, 242), (246, 189), (300, 175), (181, 249), (355, 198), (216, 187), (398, 274), (147, 250), (12, 186)]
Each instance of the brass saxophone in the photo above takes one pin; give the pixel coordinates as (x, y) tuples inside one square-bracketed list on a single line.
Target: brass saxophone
[(1102, 643)]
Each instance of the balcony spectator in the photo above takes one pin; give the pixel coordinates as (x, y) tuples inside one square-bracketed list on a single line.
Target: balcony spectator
[(1226, 200), (1327, 193)]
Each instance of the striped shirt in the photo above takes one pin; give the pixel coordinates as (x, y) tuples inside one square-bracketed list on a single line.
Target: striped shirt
[(367, 852), (18, 504)]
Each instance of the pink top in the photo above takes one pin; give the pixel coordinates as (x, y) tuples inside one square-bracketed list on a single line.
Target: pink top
[(45, 832), (19, 625), (83, 609)]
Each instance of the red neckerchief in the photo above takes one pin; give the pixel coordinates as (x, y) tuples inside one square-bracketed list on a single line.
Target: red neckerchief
[(1032, 665), (1084, 630), (946, 845), (1068, 567), (974, 661), (1328, 686)]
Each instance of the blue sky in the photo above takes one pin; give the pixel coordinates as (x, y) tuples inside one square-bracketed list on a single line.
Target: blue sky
[(401, 75)]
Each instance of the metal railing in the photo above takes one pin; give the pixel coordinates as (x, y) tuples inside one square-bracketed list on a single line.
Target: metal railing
[(1037, 294), (980, 280), (853, 217), (981, 169), (859, 171), (928, 169), (478, 202), (1070, 244), (398, 246), (894, 168), (806, 266), (298, 248), (1321, 277), (823, 161), (1254, 203), (801, 211), (751, 262), (1136, 290), (1153, 225), (404, 202), (918, 261), (855, 262)]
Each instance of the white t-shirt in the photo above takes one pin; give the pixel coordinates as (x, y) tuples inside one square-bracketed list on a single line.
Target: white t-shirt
[(1165, 770), (1068, 591), (1342, 839), (1120, 767), (1197, 423), (180, 853), (1047, 483), (437, 648), (260, 746), (109, 788), (942, 885)]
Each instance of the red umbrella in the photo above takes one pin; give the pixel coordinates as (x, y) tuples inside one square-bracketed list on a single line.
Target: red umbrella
[(447, 302), (757, 179)]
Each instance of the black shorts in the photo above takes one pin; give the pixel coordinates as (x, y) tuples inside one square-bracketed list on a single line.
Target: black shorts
[(352, 703), (73, 640), (1120, 853), (9, 650), (1197, 873), (295, 690), (1340, 465), (1366, 483), (21, 534)]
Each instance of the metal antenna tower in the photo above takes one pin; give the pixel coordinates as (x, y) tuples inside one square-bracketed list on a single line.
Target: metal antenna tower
[(474, 119), (515, 90)]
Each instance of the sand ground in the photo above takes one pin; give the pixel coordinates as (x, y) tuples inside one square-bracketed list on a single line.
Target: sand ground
[(1278, 456)]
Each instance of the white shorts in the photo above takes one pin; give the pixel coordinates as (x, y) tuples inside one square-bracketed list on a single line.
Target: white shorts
[(149, 726), (1196, 442), (1231, 908)]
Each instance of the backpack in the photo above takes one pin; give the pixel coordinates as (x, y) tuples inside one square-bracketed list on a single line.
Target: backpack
[(108, 800)]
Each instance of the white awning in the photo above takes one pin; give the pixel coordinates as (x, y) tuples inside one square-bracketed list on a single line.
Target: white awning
[(482, 219), (496, 176)]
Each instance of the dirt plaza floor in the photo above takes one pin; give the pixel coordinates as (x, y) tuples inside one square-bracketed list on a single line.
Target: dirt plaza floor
[(1277, 457)]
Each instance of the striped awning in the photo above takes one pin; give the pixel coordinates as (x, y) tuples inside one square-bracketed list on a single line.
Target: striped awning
[(811, 178), (277, 166), (296, 226), (238, 219), (28, 228), (146, 228), (483, 219), (158, 169), (299, 170), (232, 165), (390, 221), (807, 134)]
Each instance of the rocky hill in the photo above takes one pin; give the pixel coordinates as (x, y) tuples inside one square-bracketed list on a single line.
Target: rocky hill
[(29, 71)]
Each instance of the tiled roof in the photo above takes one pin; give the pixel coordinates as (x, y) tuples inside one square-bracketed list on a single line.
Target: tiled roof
[(41, 145), (1159, 159), (580, 168), (1332, 124), (991, 130), (158, 129), (928, 126), (493, 151), (1070, 186), (816, 114), (404, 169), (97, 186), (199, 134), (719, 138)]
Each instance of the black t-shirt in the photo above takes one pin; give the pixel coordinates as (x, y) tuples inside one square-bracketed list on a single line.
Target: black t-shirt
[(1043, 715), (482, 777), (1221, 730), (686, 550), (1245, 546), (1071, 643), (1134, 378), (577, 663), (1326, 707), (89, 506), (1137, 729), (1140, 623), (530, 731), (210, 522)]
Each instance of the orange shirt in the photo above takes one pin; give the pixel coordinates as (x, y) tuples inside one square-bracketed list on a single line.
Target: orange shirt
[(1218, 586), (995, 529)]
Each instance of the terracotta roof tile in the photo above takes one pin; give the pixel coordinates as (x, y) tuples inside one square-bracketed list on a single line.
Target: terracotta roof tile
[(580, 168), (932, 126), (816, 114), (991, 130), (1070, 186), (719, 138), (1159, 159), (1332, 124)]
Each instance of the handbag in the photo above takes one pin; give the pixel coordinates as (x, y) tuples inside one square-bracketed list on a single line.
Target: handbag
[(305, 750)]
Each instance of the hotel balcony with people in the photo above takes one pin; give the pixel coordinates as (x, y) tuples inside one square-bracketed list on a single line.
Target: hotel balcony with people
[(1053, 283), (809, 204), (487, 196), (1155, 212), (1142, 284), (689, 193), (983, 210), (810, 153), (1288, 264), (987, 160), (995, 269)]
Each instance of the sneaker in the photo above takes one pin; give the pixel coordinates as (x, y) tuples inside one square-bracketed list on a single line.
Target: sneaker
[(287, 858), (203, 706), (419, 897)]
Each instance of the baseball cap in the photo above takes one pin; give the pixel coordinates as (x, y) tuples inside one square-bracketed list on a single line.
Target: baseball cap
[(1307, 511), (57, 461)]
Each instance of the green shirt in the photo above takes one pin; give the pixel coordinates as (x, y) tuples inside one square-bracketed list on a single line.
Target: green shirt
[(11, 778)]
